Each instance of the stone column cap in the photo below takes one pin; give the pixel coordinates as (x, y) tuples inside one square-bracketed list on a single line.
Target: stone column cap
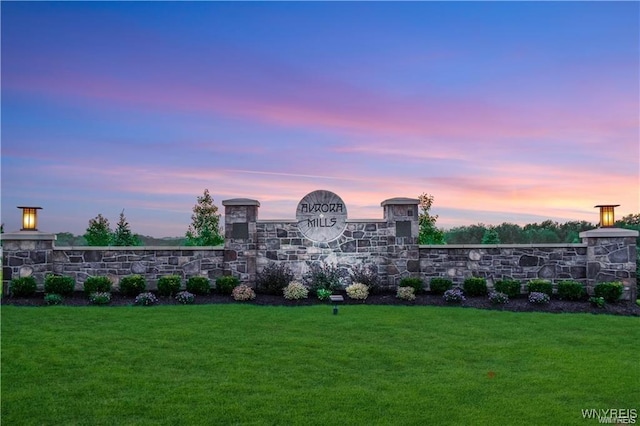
[(28, 236), (399, 201), (609, 233), (241, 202)]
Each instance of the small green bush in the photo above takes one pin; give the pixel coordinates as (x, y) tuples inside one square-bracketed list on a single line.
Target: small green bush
[(509, 287), (475, 286), (58, 284), (414, 282), (570, 290), (598, 302), (169, 285), (97, 284), (199, 285), (323, 294), (440, 285), (540, 286), (53, 299), (274, 278), (23, 287), (226, 284), (610, 292), (132, 285)]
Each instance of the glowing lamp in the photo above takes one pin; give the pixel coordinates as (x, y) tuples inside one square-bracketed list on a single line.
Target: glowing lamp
[(607, 217), (29, 218)]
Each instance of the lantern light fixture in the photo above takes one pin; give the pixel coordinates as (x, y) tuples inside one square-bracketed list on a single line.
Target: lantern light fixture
[(607, 216), (29, 218)]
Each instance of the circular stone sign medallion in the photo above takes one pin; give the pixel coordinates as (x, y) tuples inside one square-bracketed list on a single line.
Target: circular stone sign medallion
[(321, 216)]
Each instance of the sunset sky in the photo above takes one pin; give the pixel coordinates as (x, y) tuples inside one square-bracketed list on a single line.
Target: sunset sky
[(503, 111)]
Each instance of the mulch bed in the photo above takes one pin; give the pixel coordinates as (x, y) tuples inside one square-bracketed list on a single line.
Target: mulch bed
[(520, 304)]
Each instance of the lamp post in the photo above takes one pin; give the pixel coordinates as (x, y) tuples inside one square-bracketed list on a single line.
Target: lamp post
[(29, 218), (607, 216)]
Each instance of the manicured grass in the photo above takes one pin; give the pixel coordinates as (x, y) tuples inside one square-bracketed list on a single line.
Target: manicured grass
[(246, 364)]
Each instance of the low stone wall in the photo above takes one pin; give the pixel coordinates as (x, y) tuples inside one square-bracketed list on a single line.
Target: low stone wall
[(40, 257), (554, 262), (391, 244)]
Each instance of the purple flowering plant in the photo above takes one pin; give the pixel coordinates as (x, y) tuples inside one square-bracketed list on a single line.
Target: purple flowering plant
[(455, 295)]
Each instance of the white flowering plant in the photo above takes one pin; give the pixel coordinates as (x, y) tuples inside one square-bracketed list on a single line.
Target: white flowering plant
[(295, 290), (243, 293), (146, 299), (100, 298), (406, 293), (185, 297), (358, 291)]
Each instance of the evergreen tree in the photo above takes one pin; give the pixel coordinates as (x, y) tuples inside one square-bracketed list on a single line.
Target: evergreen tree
[(122, 236), (99, 232), (491, 236), (429, 234), (205, 223)]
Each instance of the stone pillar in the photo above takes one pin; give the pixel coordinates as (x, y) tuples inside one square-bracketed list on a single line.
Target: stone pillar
[(240, 238), (24, 254), (611, 256), (403, 256)]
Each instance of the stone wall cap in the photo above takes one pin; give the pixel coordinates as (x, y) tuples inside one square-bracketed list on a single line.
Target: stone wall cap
[(399, 201), (28, 236), (241, 202), (609, 233)]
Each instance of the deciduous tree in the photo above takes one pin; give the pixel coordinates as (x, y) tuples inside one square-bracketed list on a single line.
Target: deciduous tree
[(99, 232)]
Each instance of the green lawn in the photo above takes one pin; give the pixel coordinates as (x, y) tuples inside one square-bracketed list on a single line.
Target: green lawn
[(368, 365)]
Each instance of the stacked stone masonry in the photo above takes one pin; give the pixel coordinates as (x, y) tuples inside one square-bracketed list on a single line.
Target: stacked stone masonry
[(390, 244)]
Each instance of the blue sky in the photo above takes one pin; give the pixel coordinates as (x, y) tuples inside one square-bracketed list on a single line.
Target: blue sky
[(503, 111)]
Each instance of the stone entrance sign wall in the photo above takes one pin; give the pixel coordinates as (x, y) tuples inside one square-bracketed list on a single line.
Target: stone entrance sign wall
[(390, 243)]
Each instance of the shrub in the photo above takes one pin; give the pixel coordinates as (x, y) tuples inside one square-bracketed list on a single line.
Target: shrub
[(358, 291), (100, 298), (59, 284), (538, 298), (570, 290), (597, 301), (226, 284), (610, 292), (53, 299), (185, 298), (273, 278), (540, 286), (132, 285), (323, 275), (198, 285), (23, 287), (367, 275), (406, 293), (454, 295), (414, 282), (440, 285), (498, 298), (509, 287), (169, 285), (323, 294), (243, 293), (475, 286), (146, 299), (295, 291), (97, 284)]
